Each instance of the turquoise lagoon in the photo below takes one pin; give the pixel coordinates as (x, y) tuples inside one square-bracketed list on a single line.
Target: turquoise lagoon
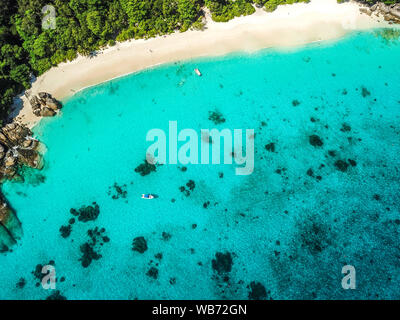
[(290, 227)]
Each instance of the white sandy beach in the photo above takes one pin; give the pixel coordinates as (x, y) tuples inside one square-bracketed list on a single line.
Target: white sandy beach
[(289, 25)]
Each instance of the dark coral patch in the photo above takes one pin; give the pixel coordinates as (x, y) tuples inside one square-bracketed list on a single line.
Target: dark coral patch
[(257, 291), (139, 244), (65, 231), (21, 283), (158, 256), (316, 141), (222, 263), (364, 92), (377, 197), (56, 295), (145, 168), (270, 147), (295, 103), (90, 249), (216, 117), (352, 162), (38, 179), (345, 128), (88, 254), (88, 213), (315, 236), (191, 185), (166, 236), (119, 191), (152, 273), (341, 165), (37, 273)]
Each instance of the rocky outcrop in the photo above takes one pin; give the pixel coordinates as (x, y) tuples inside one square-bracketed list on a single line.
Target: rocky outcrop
[(44, 105), (10, 226), (390, 13), (17, 148)]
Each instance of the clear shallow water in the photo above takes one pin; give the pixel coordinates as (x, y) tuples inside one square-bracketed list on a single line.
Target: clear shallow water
[(285, 229)]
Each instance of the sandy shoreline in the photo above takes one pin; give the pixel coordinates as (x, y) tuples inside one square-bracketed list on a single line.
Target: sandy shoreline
[(289, 25)]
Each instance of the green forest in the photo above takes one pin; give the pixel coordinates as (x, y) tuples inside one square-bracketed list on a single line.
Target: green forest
[(84, 26)]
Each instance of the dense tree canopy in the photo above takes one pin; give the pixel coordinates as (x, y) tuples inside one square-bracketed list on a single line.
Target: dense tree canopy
[(83, 26)]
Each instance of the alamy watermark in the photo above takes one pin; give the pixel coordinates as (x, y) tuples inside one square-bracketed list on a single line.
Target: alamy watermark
[(349, 280), (49, 278), (49, 18), (197, 151)]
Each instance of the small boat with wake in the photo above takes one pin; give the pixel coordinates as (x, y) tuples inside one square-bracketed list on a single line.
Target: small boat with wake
[(198, 72)]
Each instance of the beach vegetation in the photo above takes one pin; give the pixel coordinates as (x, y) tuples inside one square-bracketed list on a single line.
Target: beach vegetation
[(271, 5), (225, 10)]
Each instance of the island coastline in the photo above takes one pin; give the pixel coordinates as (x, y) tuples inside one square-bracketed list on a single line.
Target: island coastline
[(288, 26)]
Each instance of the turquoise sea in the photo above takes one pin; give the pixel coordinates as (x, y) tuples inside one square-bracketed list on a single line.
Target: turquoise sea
[(283, 232)]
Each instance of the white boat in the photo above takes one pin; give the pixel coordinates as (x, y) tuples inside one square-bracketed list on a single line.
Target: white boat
[(197, 72), (147, 196)]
